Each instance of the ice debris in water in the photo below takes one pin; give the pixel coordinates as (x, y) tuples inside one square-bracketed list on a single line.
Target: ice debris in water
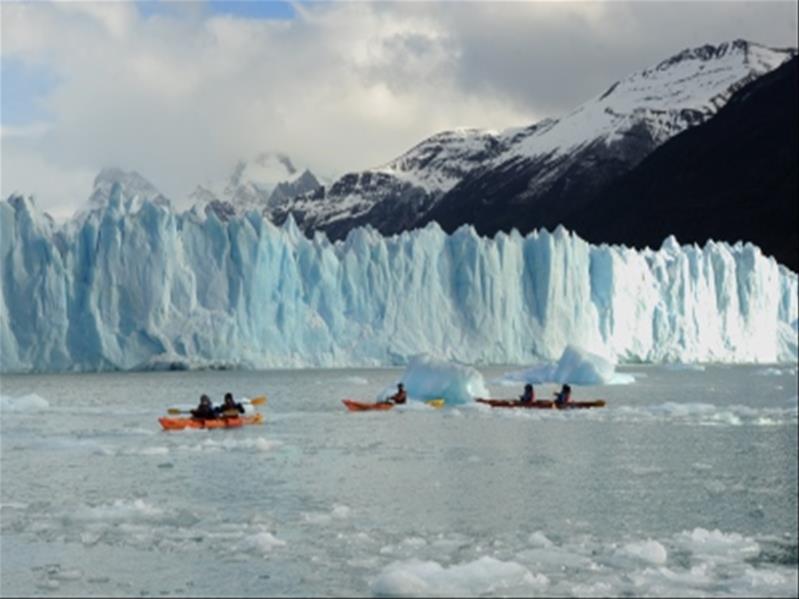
[(484, 576), (776, 371), (427, 378), (25, 403), (648, 551), (262, 542), (576, 366)]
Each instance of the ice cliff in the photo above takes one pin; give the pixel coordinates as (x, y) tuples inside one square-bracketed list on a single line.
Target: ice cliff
[(152, 288)]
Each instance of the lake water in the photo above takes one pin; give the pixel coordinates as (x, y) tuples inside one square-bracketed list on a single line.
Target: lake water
[(686, 484)]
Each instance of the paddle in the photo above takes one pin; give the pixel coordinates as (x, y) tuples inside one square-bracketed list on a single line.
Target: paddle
[(433, 403), (255, 401)]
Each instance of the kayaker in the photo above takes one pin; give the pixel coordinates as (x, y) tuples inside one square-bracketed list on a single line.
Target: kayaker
[(230, 407), (400, 396), (205, 410), (564, 397), (529, 394)]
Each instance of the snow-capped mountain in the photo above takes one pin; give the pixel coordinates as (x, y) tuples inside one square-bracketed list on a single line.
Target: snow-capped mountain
[(735, 176), (532, 176), (134, 190), (257, 184)]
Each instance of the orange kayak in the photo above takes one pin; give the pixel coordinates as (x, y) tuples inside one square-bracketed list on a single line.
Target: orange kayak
[(546, 404), (173, 424), (359, 406)]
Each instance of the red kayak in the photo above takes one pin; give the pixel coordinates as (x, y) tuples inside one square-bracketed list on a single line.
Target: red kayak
[(173, 424), (359, 406), (542, 404)]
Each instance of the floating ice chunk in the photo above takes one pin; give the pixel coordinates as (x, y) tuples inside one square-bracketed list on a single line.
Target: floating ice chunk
[(154, 450), (262, 542), (775, 371), (262, 444), (485, 576), (119, 511), (246, 444), (581, 367), (576, 366), (649, 551), (341, 511), (539, 539), (682, 366), (719, 546), (73, 574), (430, 378), (24, 403)]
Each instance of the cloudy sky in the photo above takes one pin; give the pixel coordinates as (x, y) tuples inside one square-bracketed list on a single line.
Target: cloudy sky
[(180, 90)]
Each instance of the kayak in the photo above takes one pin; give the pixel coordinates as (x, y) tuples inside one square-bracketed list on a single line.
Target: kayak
[(360, 406), (171, 424), (546, 404)]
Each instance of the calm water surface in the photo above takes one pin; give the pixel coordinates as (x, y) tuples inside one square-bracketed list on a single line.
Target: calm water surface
[(686, 484)]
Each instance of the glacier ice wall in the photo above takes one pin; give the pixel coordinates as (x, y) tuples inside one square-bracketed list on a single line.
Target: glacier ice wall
[(152, 289)]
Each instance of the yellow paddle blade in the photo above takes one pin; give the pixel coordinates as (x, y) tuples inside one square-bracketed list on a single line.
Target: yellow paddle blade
[(257, 401), (177, 411), (435, 403)]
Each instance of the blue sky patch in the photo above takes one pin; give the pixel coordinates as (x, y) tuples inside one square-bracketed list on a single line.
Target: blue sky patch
[(248, 9), (23, 86)]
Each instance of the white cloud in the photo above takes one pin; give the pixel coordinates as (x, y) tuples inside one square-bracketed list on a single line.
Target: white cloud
[(54, 187), (179, 97), (27, 131)]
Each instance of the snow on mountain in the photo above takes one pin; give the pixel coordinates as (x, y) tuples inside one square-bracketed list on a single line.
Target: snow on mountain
[(153, 289), (675, 94), (460, 176), (735, 176), (442, 160), (134, 191), (270, 178)]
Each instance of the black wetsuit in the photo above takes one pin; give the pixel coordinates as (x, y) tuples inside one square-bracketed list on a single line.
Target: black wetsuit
[(227, 410), (204, 412)]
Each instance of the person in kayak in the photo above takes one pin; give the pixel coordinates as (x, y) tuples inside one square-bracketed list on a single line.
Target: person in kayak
[(564, 397), (400, 396), (529, 394), (205, 409), (230, 407)]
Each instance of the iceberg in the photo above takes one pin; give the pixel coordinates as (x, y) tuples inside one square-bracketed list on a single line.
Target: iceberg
[(141, 286), (576, 366), (429, 378)]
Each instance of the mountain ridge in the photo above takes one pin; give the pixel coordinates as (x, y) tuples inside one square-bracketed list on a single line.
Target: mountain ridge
[(534, 176)]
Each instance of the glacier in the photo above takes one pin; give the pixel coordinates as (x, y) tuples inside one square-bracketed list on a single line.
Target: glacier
[(144, 287)]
